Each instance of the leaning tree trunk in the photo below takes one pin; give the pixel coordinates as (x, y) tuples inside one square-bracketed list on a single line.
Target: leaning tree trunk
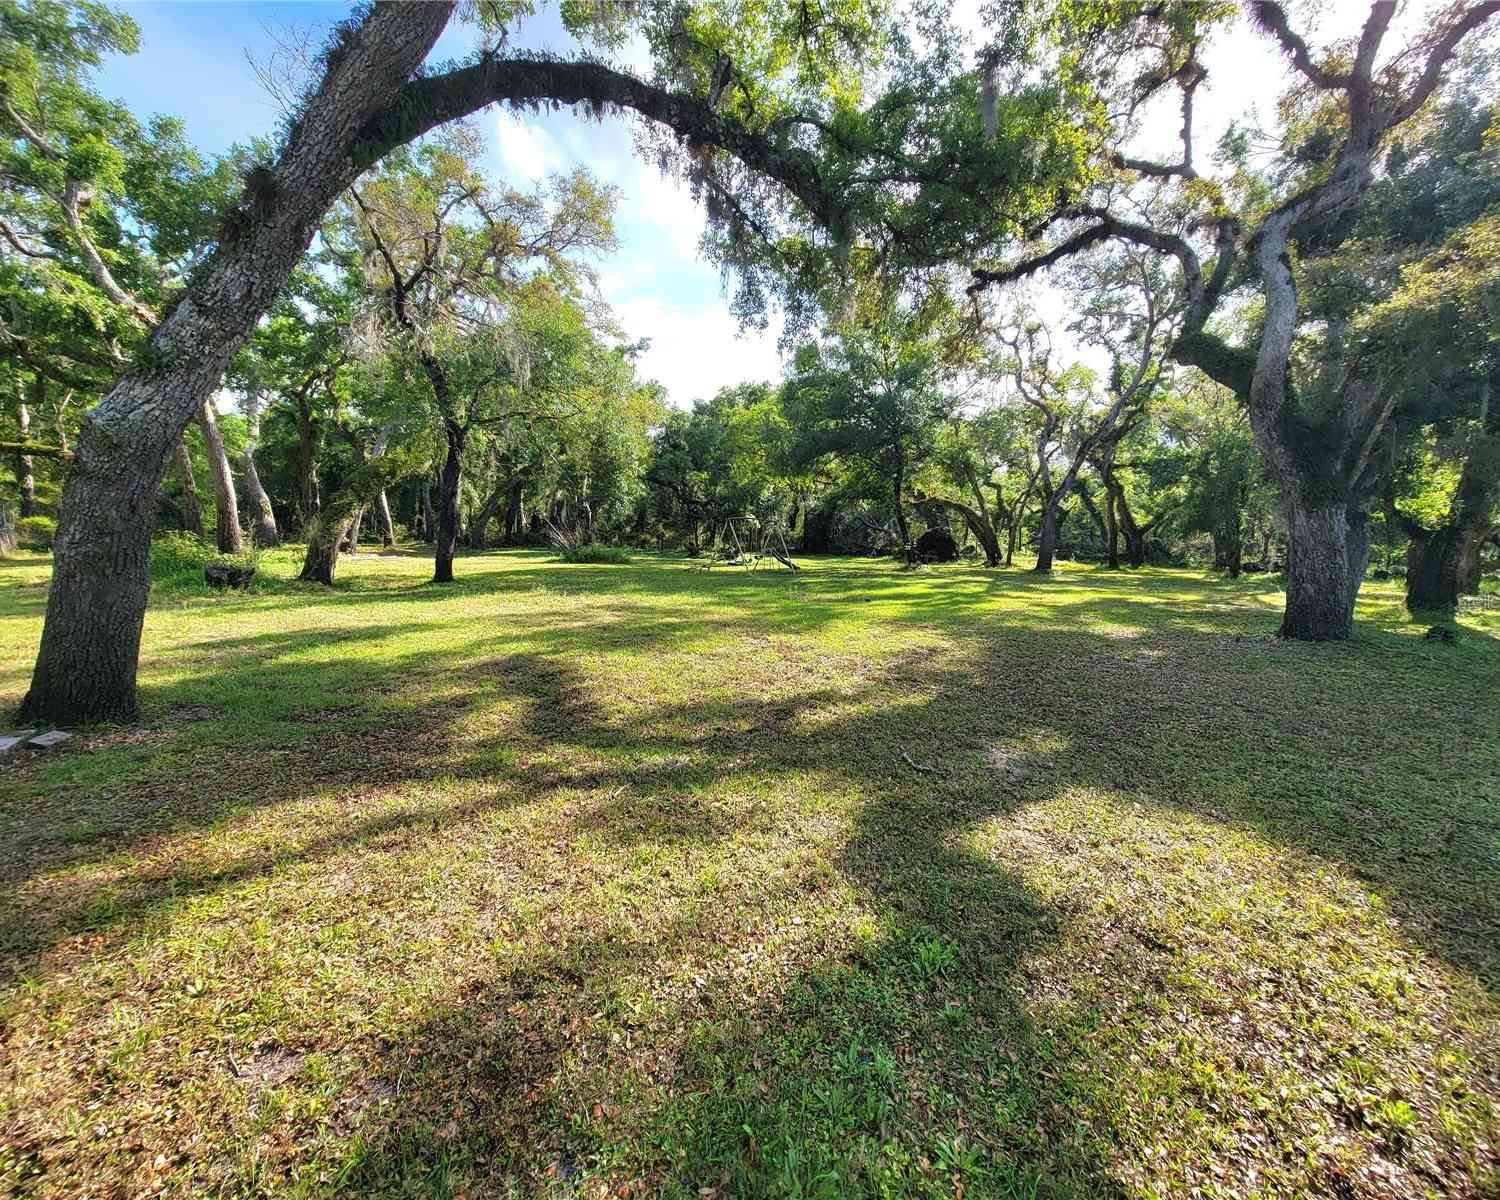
[(449, 486), (86, 665), (192, 507), (340, 516), (479, 524), (7, 529), (383, 520), (227, 519), (263, 531)]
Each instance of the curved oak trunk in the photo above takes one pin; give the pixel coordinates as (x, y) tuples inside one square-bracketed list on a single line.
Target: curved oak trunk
[(1438, 565), (1046, 542), (192, 507), (263, 531), (383, 520), (86, 665)]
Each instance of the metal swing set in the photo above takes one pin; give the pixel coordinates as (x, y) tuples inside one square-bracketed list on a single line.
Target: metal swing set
[(751, 550)]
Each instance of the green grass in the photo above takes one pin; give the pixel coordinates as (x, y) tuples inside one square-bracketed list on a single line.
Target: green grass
[(640, 880)]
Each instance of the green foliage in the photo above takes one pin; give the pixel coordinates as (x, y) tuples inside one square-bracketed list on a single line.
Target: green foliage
[(176, 555), (594, 552), (36, 533)]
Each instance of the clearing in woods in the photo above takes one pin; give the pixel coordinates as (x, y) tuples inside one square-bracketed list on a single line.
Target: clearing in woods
[(644, 881)]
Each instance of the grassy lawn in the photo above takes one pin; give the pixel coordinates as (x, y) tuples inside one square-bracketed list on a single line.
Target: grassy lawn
[(644, 881)]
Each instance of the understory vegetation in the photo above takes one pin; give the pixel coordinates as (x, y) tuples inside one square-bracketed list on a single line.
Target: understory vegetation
[(645, 880)]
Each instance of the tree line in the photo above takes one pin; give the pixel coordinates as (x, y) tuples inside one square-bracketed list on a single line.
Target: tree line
[(1284, 350)]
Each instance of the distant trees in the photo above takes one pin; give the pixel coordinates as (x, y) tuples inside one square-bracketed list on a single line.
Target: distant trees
[(875, 393), (1318, 408)]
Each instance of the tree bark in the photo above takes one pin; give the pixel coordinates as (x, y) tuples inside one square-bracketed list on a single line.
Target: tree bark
[(25, 467), (449, 485), (1320, 585), (227, 518), (263, 531), (383, 520), (978, 524), (192, 507), (86, 665), (1046, 542), (479, 524), (329, 531), (309, 494)]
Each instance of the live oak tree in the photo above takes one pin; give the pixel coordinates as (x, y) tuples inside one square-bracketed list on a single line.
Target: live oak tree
[(1073, 421), (464, 276), (1319, 436), (876, 392)]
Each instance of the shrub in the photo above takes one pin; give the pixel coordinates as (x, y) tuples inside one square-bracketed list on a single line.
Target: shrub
[(36, 533), (595, 552), (177, 553)]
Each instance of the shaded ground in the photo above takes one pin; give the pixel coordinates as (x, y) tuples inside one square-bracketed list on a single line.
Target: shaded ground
[(642, 881)]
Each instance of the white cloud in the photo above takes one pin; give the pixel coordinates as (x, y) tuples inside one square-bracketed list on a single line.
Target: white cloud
[(695, 353), (526, 150)]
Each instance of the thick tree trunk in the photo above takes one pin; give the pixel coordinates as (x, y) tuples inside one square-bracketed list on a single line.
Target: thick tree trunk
[(263, 531), (975, 522), (1046, 542), (1468, 564), (1434, 563), (383, 520), (340, 520), (449, 486), (309, 494), (351, 535), (479, 524), (192, 507), (227, 519), (86, 665), (7, 529), (1320, 584)]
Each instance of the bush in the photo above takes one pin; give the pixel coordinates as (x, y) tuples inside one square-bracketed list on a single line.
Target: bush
[(35, 533), (176, 554), (594, 552)]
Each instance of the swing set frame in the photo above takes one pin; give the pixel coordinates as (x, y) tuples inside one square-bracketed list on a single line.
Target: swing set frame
[(759, 543)]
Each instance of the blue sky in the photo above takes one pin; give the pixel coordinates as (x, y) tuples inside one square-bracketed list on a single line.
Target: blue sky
[(192, 64)]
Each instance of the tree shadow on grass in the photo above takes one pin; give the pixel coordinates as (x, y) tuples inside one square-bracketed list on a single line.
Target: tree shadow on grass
[(931, 1049), (667, 1020)]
